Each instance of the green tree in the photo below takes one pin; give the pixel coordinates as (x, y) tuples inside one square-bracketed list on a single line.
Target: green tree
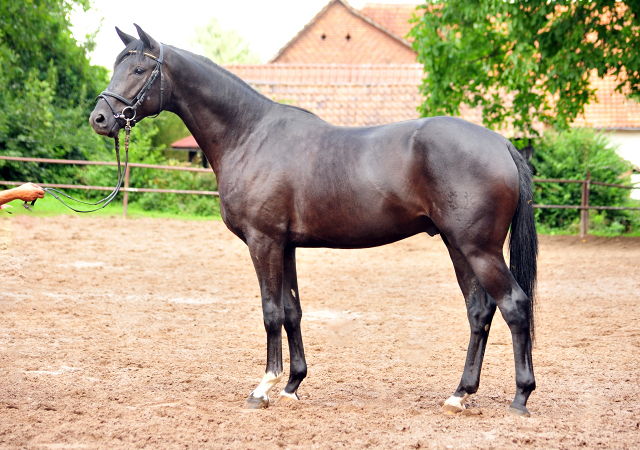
[(47, 87), (537, 53), (35, 32), (224, 46)]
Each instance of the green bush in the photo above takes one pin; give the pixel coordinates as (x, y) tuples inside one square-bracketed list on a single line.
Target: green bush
[(571, 155)]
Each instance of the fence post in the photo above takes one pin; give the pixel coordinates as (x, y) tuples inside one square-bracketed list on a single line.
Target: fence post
[(584, 212), (125, 200)]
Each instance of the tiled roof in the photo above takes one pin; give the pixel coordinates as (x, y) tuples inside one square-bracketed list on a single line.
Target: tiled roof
[(347, 95), (362, 95), (186, 143), (612, 111), (339, 34), (320, 74), (392, 17), (356, 95)]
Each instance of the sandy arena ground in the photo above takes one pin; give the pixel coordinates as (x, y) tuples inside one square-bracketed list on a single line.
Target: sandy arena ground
[(148, 334)]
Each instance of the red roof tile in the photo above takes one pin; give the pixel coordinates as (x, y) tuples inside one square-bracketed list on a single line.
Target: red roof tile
[(612, 111), (346, 95), (188, 142), (392, 17)]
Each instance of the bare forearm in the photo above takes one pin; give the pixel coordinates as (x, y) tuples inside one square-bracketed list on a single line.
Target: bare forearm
[(7, 196), (27, 192)]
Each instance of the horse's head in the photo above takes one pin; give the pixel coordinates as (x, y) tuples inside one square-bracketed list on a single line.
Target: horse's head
[(136, 88)]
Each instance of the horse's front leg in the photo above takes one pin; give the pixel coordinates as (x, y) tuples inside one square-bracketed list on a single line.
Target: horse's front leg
[(268, 257)]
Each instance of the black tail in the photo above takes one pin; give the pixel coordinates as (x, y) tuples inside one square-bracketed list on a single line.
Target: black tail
[(523, 241)]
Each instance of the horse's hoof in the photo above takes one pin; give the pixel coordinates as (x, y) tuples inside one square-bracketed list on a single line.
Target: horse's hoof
[(452, 409), (519, 411), (454, 405), (287, 399), (256, 403)]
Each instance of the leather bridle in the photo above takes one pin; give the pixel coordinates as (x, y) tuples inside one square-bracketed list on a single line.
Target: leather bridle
[(128, 114), (140, 96)]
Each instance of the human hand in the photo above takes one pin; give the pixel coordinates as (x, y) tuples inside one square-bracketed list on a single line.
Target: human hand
[(29, 192)]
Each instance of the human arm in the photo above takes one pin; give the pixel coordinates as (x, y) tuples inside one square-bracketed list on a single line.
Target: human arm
[(27, 192)]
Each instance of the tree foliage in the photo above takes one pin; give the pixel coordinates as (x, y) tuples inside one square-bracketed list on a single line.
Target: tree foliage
[(224, 46), (47, 90), (35, 34), (538, 54), (47, 87)]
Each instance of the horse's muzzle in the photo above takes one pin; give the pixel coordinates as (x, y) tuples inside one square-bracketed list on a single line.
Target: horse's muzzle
[(103, 122)]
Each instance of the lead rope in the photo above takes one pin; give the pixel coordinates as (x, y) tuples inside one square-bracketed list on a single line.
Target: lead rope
[(109, 198)]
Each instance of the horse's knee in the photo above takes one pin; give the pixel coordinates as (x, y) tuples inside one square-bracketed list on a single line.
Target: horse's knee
[(292, 318), (273, 318)]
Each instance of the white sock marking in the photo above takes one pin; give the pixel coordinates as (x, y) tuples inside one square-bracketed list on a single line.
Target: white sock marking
[(293, 396), (457, 402), (268, 382)]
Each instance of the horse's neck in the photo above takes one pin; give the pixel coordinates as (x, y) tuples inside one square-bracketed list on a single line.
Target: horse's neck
[(219, 109)]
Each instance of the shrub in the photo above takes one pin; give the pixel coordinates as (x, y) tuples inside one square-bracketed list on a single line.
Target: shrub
[(570, 155)]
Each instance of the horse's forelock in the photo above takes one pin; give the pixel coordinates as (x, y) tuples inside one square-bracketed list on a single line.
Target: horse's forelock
[(137, 46)]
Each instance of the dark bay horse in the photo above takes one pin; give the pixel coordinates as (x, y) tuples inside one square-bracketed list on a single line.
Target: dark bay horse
[(288, 179)]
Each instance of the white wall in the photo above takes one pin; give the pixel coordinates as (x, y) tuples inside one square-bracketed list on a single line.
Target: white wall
[(628, 142)]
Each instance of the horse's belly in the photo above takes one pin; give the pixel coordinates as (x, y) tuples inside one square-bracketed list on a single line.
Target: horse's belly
[(338, 232)]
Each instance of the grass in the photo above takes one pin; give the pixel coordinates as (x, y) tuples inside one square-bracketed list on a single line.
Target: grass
[(49, 206)]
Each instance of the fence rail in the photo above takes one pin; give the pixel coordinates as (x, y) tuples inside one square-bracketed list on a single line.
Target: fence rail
[(584, 204), (584, 200), (126, 188)]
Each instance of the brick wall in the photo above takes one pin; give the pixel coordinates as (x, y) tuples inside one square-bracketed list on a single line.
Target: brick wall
[(338, 36)]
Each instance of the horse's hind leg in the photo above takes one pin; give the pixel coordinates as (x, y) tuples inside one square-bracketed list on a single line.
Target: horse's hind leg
[(292, 317), (494, 275), (480, 311)]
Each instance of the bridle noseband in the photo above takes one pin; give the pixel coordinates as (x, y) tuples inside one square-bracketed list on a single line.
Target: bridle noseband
[(140, 96)]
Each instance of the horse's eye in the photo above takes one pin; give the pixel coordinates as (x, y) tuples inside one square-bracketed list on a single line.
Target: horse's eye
[(139, 70)]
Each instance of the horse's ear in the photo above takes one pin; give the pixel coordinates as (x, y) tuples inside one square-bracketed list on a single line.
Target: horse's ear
[(126, 38), (149, 42)]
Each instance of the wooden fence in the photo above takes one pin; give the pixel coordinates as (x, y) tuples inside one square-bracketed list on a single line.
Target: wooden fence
[(584, 205), (584, 201), (125, 189)]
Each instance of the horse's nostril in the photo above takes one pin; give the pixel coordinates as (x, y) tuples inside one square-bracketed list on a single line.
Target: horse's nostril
[(99, 118)]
